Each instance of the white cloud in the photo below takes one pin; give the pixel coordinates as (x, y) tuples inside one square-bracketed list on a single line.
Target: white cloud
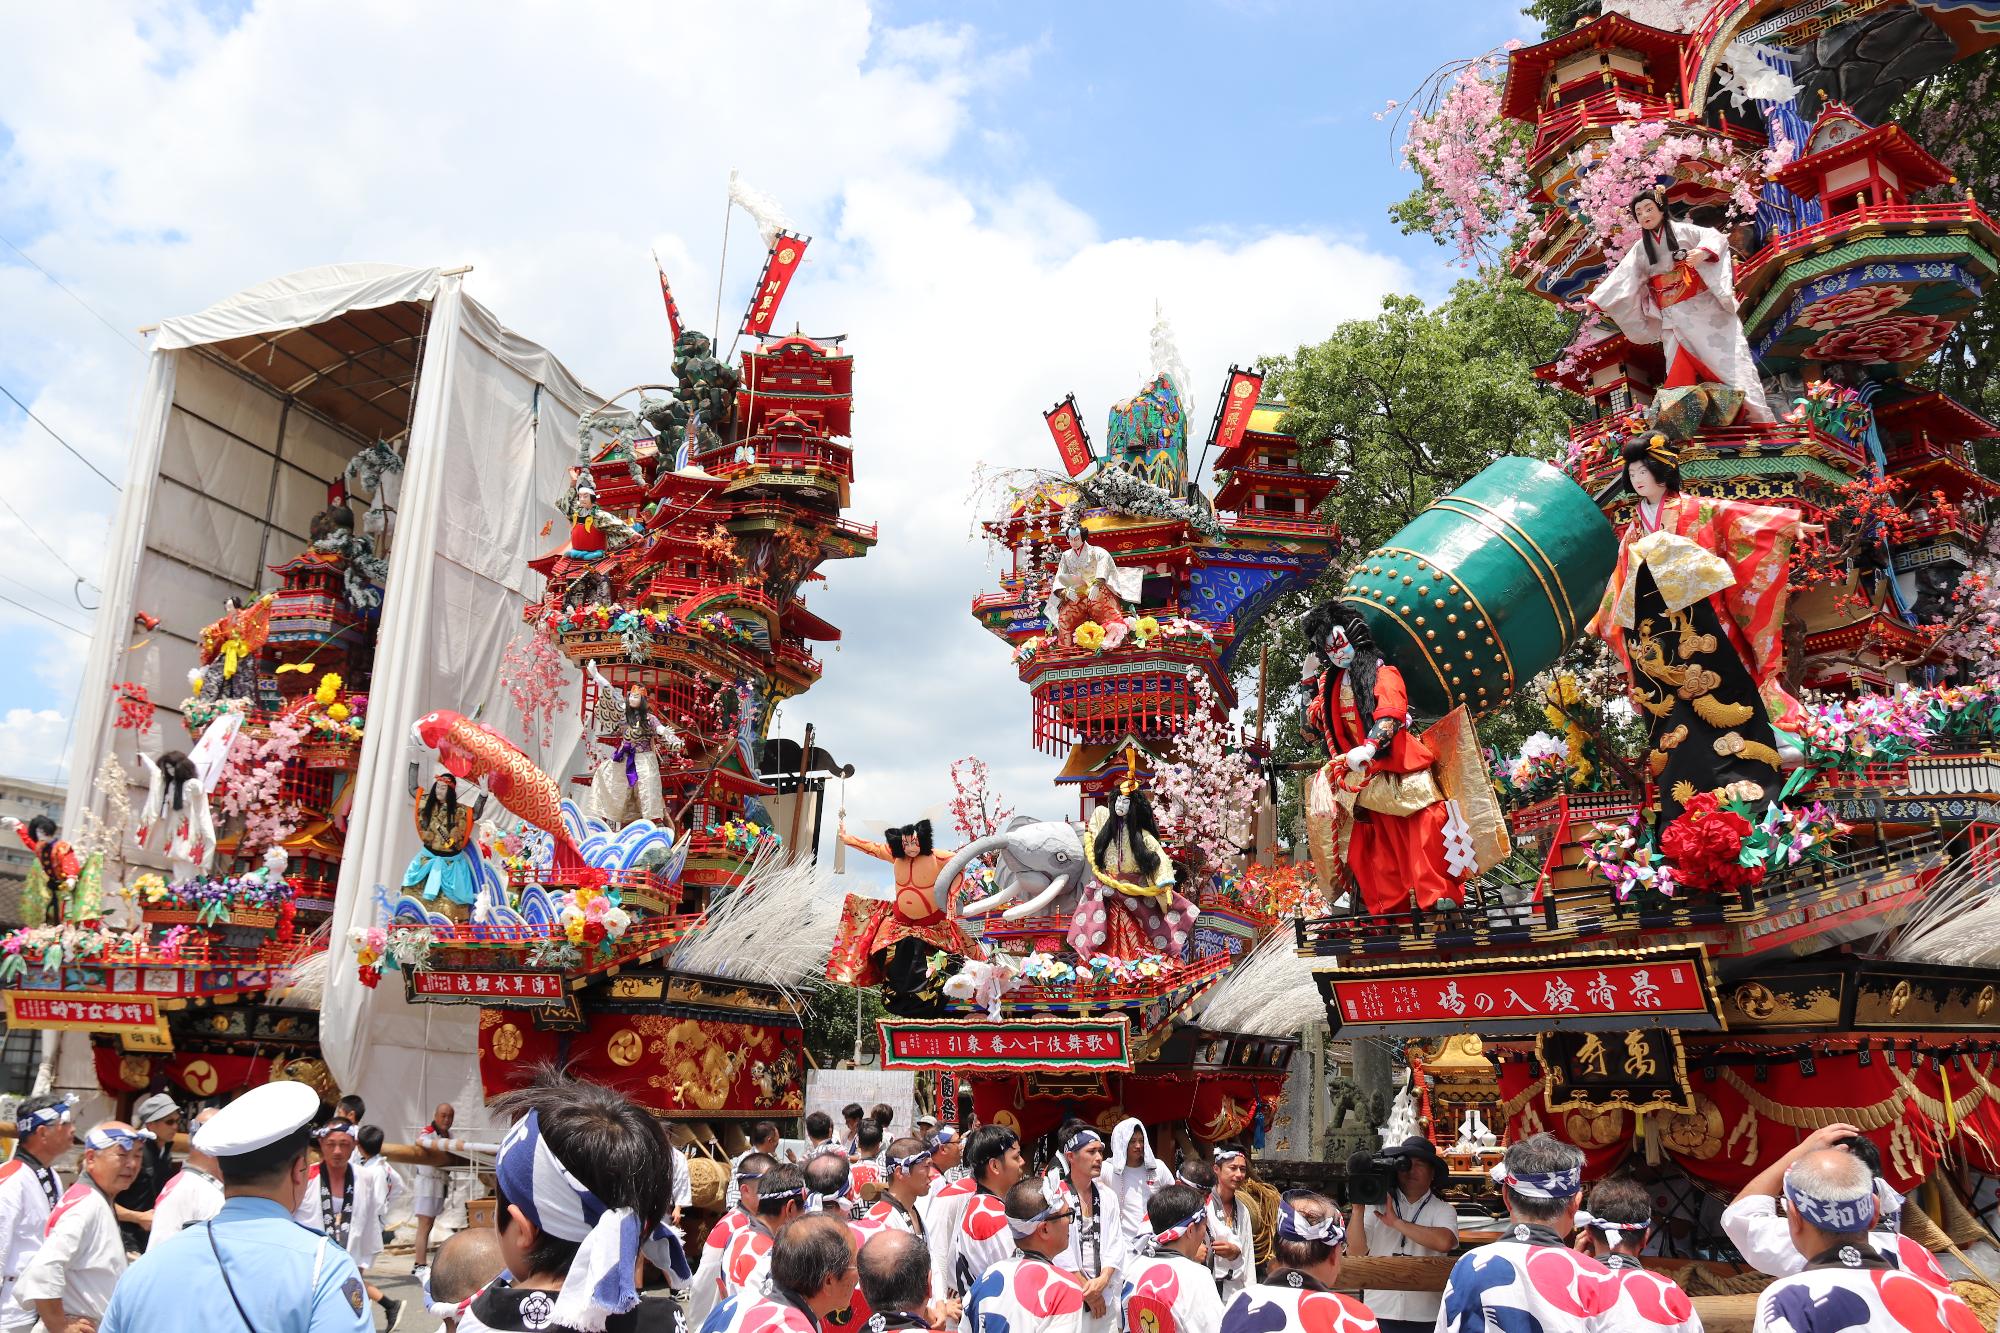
[(31, 741), (551, 149)]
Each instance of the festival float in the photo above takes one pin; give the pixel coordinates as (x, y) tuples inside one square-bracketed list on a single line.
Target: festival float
[(645, 923), (1757, 902), (206, 976), (1062, 966)]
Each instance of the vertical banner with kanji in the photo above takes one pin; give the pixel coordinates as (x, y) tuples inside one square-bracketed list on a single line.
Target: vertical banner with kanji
[(1072, 442), (783, 261), (1232, 413), (667, 295)]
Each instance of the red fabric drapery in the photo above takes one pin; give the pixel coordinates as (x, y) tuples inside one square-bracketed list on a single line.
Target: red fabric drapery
[(122, 1074)]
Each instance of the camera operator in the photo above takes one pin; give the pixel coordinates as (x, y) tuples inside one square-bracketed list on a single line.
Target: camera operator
[(1413, 1220)]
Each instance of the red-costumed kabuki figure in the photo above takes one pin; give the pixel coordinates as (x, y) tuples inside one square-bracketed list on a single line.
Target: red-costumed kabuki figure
[(1375, 806)]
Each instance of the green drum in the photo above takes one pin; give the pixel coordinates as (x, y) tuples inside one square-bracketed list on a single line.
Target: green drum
[(1487, 586)]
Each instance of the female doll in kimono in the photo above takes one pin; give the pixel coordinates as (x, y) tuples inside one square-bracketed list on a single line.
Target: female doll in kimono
[(1129, 907), (1696, 611), (446, 866), (178, 799), (1675, 287)]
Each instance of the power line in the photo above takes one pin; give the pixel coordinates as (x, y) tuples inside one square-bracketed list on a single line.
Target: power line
[(59, 439), (83, 633), (43, 540), (72, 295), (34, 591)]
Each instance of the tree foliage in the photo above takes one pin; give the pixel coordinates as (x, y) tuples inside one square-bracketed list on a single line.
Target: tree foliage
[(1403, 407)]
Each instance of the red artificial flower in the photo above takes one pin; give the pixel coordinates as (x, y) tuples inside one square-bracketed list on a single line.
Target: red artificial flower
[(593, 932), (1703, 844), (370, 975)]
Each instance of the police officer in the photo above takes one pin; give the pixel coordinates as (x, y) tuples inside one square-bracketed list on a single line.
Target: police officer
[(251, 1269)]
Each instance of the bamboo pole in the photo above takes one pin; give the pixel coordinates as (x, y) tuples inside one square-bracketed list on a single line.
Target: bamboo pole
[(407, 1153)]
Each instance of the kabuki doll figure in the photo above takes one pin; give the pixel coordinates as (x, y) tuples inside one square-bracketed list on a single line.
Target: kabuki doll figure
[(890, 944), (1090, 589), (592, 531), (1375, 806), (1696, 611), (1675, 287), (1128, 906), (625, 785), (1297, 1292), (56, 876), (178, 799), (447, 869), (229, 649)]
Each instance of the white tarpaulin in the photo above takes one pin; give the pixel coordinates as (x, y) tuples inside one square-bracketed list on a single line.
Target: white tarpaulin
[(250, 408)]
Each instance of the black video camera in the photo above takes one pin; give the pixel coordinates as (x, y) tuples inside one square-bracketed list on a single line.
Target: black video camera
[(1370, 1177)]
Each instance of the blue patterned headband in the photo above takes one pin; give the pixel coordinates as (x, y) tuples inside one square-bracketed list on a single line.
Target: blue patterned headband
[(1182, 1227), (1293, 1227), (53, 1114), (1546, 1184), (1842, 1217), (1081, 1139), (910, 1163), (1225, 1152), (116, 1136), (1057, 1201)]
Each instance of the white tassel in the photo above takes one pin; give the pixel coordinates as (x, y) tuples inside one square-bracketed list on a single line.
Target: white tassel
[(777, 927), (769, 215), (1167, 355), (1461, 857), (839, 841)]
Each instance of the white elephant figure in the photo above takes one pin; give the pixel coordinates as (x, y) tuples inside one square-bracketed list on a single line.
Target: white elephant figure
[(1038, 860)]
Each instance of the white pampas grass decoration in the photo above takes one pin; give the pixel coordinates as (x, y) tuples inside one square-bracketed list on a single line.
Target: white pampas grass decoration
[(769, 215), (777, 928), (1269, 993), (1167, 356), (1958, 921)]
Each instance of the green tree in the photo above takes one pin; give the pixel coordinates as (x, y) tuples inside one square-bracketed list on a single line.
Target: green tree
[(1403, 407), (829, 1015)]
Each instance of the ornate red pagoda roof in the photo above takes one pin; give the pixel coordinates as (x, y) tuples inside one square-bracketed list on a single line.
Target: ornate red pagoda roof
[(1528, 67), (1880, 629), (797, 374), (1615, 350), (1242, 482), (1938, 415), (1915, 169), (795, 622)]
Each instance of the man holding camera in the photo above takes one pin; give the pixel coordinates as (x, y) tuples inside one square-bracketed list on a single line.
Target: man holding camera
[(1412, 1220)]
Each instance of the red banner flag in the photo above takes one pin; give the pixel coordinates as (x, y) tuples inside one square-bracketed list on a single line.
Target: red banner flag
[(1232, 413), (1072, 441), (667, 295), (779, 265)]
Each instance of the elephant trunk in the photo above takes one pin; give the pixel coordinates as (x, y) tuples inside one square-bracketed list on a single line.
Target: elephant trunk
[(955, 867)]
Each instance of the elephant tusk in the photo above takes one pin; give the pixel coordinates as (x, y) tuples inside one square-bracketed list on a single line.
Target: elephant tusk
[(1039, 901), (955, 867), (985, 905)]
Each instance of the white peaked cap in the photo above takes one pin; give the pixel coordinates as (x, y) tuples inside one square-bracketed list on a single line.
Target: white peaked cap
[(258, 1119)]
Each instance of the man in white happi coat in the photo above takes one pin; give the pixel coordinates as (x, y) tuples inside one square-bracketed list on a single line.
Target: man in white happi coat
[(192, 1194), (1131, 1174), (1413, 1220), (1752, 1221), (1029, 1292), (1847, 1283), (70, 1280), (947, 1166), (347, 1204), (968, 1231), (1094, 1253), (1232, 1247), (1169, 1288), (1530, 1276), (1297, 1293), (1612, 1229), (44, 1129), (708, 1288)]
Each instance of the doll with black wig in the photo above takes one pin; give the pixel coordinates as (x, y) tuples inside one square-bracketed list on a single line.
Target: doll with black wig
[(1696, 611), (890, 944), (1374, 807), (177, 799), (1676, 287)]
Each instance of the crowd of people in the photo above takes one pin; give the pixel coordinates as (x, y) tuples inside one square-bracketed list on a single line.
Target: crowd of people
[(275, 1218)]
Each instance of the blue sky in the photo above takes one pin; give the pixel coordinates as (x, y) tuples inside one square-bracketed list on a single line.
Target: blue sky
[(999, 192)]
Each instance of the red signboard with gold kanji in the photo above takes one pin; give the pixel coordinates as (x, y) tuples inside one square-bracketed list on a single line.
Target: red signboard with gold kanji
[(786, 253), (1575, 992), (445, 986), (83, 1011), (1072, 441), (1016, 1046)]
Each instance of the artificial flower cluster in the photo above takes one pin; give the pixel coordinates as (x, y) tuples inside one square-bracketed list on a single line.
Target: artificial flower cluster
[(56, 947), (1148, 628), (135, 707), (1057, 971), (1848, 735), (1029, 650), (591, 916), (740, 835), (618, 619), (1705, 843), (199, 711), (1834, 409), (1538, 772), (1619, 852), (395, 946), (1283, 892), (1090, 636), (213, 898)]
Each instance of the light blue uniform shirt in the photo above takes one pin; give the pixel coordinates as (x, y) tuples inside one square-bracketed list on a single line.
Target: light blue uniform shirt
[(289, 1278)]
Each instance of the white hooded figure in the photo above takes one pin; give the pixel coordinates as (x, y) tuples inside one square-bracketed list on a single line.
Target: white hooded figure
[(1131, 1185)]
